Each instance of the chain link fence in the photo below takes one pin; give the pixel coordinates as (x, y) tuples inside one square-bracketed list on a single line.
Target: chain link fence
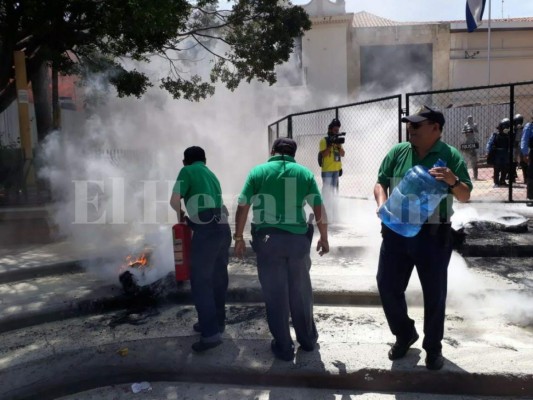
[(487, 106), (373, 127)]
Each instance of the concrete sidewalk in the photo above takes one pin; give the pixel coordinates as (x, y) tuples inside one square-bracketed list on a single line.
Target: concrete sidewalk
[(60, 318)]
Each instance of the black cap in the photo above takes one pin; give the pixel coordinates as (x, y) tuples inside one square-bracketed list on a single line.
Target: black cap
[(334, 122), (193, 154), (426, 113), (284, 145)]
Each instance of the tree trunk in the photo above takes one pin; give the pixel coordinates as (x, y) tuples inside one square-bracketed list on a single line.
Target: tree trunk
[(41, 97)]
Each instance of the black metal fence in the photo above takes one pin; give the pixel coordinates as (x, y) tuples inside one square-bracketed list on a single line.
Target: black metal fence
[(372, 127), (488, 106)]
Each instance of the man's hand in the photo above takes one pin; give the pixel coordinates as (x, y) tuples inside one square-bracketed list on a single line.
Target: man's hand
[(322, 246), (444, 174), (240, 248)]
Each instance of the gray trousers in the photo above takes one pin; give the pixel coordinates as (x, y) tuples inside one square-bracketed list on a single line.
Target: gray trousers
[(283, 264)]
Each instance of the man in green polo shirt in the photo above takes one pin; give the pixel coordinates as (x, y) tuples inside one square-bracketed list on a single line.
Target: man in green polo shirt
[(278, 191), (208, 218), (430, 250)]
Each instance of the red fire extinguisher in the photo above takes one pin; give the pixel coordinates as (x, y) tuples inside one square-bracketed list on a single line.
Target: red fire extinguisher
[(181, 238)]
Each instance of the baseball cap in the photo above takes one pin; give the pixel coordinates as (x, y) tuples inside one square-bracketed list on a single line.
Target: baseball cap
[(285, 145), (426, 113), (334, 122)]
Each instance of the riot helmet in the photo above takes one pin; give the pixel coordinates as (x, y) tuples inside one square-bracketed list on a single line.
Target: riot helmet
[(518, 120), (505, 125)]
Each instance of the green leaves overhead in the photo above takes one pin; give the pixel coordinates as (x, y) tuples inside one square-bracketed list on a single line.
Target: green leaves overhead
[(243, 42)]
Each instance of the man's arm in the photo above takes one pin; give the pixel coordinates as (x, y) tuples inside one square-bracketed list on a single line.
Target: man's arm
[(321, 222), (341, 151), (327, 151), (240, 221), (380, 194), (175, 203)]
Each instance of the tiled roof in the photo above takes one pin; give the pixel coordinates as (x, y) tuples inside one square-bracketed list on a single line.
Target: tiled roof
[(521, 19), (365, 19)]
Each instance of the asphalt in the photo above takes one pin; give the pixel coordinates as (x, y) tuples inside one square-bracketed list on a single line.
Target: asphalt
[(67, 329)]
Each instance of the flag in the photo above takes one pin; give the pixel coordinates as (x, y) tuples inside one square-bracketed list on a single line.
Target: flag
[(474, 13)]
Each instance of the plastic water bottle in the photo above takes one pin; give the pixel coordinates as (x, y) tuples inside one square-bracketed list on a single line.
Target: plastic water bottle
[(413, 201)]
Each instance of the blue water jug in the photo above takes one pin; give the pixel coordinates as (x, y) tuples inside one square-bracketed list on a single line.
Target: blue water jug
[(413, 201)]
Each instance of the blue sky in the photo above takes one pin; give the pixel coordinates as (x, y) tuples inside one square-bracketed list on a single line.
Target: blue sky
[(434, 10)]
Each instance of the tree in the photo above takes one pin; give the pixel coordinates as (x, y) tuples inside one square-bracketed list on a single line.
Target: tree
[(86, 36)]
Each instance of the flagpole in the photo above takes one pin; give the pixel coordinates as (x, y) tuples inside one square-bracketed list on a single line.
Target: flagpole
[(489, 40)]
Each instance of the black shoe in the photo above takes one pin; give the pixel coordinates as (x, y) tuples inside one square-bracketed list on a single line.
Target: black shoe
[(398, 350), (434, 361), (285, 356), (203, 346), (196, 328), (306, 347)]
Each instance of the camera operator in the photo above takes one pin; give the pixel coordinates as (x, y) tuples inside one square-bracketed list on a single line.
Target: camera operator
[(331, 152)]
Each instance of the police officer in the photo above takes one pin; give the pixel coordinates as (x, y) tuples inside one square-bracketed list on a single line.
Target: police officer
[(498, 152), (471, 144), (208, 218), (526, 147), (518, 122), (278, 190)]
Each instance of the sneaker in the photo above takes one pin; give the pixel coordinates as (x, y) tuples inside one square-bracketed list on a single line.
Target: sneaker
[(496, 185), (398, 350), (285, 356), (434, 361), (196, 328), (201, 346)]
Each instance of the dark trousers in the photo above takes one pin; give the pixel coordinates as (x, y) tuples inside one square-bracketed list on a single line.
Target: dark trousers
[(283, 264), (500, 173), (430, 252), (209, 276), (530, 176)]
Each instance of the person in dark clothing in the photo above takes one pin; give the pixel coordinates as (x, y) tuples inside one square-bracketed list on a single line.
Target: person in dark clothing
[(208, 218), (526, 148), (498, 152)]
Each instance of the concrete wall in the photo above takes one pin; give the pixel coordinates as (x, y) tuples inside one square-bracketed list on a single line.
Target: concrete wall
[(511, 57), (325, 56)]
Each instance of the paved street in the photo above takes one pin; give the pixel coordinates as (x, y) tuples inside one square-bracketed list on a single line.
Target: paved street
[(64, 317)]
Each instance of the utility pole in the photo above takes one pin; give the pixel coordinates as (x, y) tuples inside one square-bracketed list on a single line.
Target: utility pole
[(21, 83)]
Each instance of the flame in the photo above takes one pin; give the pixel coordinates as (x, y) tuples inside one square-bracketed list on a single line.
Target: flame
[(140, 262)]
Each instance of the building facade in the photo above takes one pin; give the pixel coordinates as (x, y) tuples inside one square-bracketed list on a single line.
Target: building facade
[(360, 55)]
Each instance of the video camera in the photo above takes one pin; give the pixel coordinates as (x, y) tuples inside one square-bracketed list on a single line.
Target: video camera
[(336, 139)]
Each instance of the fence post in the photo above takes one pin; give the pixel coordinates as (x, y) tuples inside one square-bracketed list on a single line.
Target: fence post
[(512, 133), (289, 127), (21, 83), (400, 118)]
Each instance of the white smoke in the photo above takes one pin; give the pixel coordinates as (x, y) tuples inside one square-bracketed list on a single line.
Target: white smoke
[(112, 172)]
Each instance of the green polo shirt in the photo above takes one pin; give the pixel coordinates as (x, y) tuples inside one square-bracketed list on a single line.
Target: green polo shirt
[(403, 156), (199, 187), (278, 191)]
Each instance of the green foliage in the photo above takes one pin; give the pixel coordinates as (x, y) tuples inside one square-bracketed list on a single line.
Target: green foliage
[(88, 36)]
